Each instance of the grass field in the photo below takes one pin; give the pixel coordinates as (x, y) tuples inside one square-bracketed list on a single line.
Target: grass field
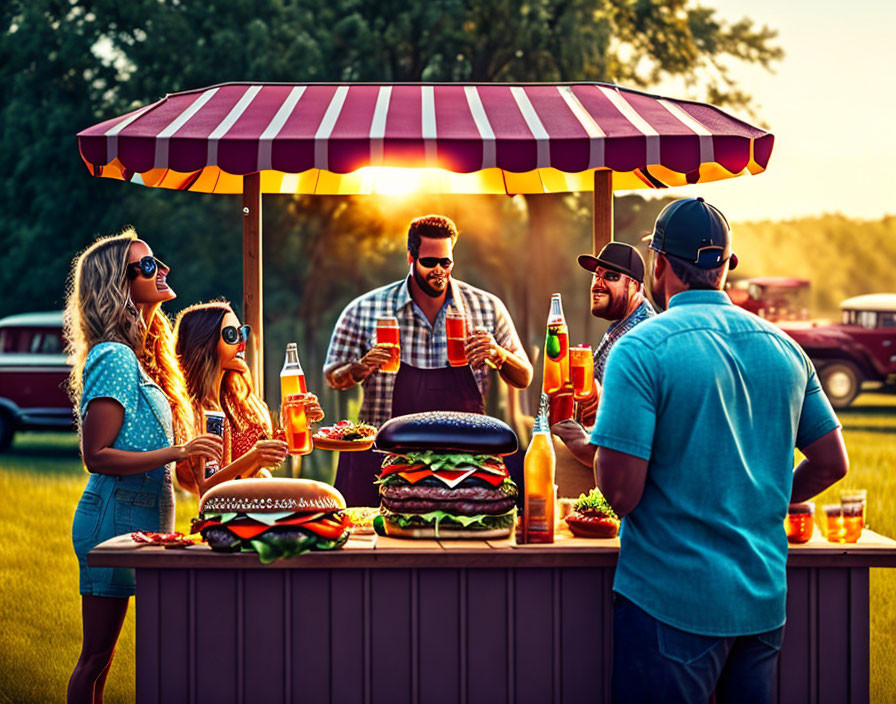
[(41, 480)]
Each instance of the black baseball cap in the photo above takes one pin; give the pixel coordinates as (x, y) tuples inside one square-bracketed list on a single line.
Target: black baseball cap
[(616, 256), (693, 230)]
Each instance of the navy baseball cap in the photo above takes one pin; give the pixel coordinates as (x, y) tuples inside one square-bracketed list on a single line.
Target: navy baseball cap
[(695, 231), (616, 256)]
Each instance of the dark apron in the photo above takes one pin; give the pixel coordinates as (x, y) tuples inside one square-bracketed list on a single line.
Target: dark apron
[(416, 391)]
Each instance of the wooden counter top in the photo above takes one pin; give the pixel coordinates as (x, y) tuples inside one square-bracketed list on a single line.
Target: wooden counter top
[(872, 550)]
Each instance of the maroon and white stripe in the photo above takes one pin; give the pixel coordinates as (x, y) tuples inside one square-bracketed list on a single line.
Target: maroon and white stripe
[(244, 128)]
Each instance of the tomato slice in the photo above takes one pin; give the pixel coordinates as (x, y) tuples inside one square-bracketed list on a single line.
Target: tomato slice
[(493, 479), (330, 530), (248, 532), (392, 468), (327, 527)]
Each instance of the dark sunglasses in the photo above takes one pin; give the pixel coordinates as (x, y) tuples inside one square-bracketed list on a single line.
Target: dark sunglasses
[(146, 267), (430, 262), (608, 276), (233, 335)]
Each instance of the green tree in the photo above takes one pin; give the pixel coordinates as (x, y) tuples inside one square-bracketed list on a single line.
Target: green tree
[(67, 65)]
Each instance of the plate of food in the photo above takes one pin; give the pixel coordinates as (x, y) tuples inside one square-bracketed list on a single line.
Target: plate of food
[(168, 540), (345, 436), (593, 517)]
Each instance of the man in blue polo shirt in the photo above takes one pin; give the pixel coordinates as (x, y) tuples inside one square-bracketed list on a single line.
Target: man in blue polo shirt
[(701, 410)]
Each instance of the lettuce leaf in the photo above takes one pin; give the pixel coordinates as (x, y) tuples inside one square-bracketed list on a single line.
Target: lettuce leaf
[(595, 501), (436, 518), (437, 459)]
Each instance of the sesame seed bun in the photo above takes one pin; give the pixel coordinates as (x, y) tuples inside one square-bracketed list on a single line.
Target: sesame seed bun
[(272, 496)]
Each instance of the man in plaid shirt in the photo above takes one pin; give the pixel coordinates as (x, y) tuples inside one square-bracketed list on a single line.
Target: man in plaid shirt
[(421, 303)]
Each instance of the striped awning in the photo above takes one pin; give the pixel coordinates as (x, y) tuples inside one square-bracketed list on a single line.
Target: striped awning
[(451, 138)]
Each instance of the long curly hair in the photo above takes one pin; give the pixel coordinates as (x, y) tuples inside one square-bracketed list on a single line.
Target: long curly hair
[(99, 308), (197, 331)]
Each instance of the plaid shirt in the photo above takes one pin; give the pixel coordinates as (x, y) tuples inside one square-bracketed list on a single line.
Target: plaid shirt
[(616, 330), (422, 345)]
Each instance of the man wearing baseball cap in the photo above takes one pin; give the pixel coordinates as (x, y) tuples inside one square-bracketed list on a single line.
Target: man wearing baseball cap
[(617, 294), (702, 407)]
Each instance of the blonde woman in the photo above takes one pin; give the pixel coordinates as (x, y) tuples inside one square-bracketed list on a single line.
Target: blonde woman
[(210, 348), (131, 397)]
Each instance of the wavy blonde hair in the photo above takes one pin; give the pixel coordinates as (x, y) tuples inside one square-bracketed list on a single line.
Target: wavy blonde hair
[(99, 308), (197, 331)]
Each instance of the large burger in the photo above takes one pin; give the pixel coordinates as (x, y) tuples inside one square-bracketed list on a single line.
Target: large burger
[(443, 476), (273, 517)]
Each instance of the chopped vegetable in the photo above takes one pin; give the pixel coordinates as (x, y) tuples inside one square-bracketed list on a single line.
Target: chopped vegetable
[(594, 501)]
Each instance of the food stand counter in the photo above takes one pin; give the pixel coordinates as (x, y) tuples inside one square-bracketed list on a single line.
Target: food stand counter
[(387, 620)]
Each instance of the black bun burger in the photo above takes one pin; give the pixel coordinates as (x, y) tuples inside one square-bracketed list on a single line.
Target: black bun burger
[(443, 476), (273, 517)]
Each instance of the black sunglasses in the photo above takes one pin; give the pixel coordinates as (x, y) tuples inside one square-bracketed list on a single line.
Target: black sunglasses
[(146, 267), (430, 262), (233, 335), (608, 275)]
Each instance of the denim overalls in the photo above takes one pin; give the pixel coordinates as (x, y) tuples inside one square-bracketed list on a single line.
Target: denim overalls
[(111, 504)]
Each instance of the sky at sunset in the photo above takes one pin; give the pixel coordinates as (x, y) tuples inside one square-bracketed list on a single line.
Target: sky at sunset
[(831, 105)]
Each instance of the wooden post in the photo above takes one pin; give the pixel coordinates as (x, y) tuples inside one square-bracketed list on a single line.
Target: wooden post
[(603, 210), (252, 278)]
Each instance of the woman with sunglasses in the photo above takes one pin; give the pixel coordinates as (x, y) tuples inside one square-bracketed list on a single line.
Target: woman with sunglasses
[(133, 414), (211, 347)]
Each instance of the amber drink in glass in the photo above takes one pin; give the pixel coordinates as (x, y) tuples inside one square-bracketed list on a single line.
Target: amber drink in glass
[(456, 334), (581, 369), (387, 336), (833, 523), (295, 425), (800, 523), (852, 501)]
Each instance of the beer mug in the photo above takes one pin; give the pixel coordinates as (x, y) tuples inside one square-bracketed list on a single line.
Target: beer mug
[(214, 423), (581, 369), (387, 335), (295, 424), (456, 335)]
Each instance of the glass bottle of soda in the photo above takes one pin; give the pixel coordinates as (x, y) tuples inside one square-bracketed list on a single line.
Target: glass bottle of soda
[(292, 378), (538, 466), (556, 349)]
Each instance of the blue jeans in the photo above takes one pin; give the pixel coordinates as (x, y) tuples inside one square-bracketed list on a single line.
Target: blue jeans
[(654, 662)]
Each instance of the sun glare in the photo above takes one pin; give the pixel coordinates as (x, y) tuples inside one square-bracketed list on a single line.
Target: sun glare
[(393, 180)]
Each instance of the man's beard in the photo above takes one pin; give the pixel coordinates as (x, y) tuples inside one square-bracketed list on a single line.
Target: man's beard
[(615, 308), (425, 285)]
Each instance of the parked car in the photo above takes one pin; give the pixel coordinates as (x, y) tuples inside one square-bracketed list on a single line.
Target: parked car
[(774, 298), (33, 373), (858, 352)]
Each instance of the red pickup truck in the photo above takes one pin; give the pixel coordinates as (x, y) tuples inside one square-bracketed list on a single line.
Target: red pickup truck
[(858, 352), (33, 372)]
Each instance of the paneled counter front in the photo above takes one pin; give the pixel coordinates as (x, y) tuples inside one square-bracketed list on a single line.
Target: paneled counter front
[(387, 620)]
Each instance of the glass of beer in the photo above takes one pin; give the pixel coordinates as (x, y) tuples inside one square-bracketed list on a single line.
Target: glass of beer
[(581, 369), (295, 423), (456, 334), (214, 423), (834, 524), (387, 336), (800, 523), (853, 503), (561, 405)]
